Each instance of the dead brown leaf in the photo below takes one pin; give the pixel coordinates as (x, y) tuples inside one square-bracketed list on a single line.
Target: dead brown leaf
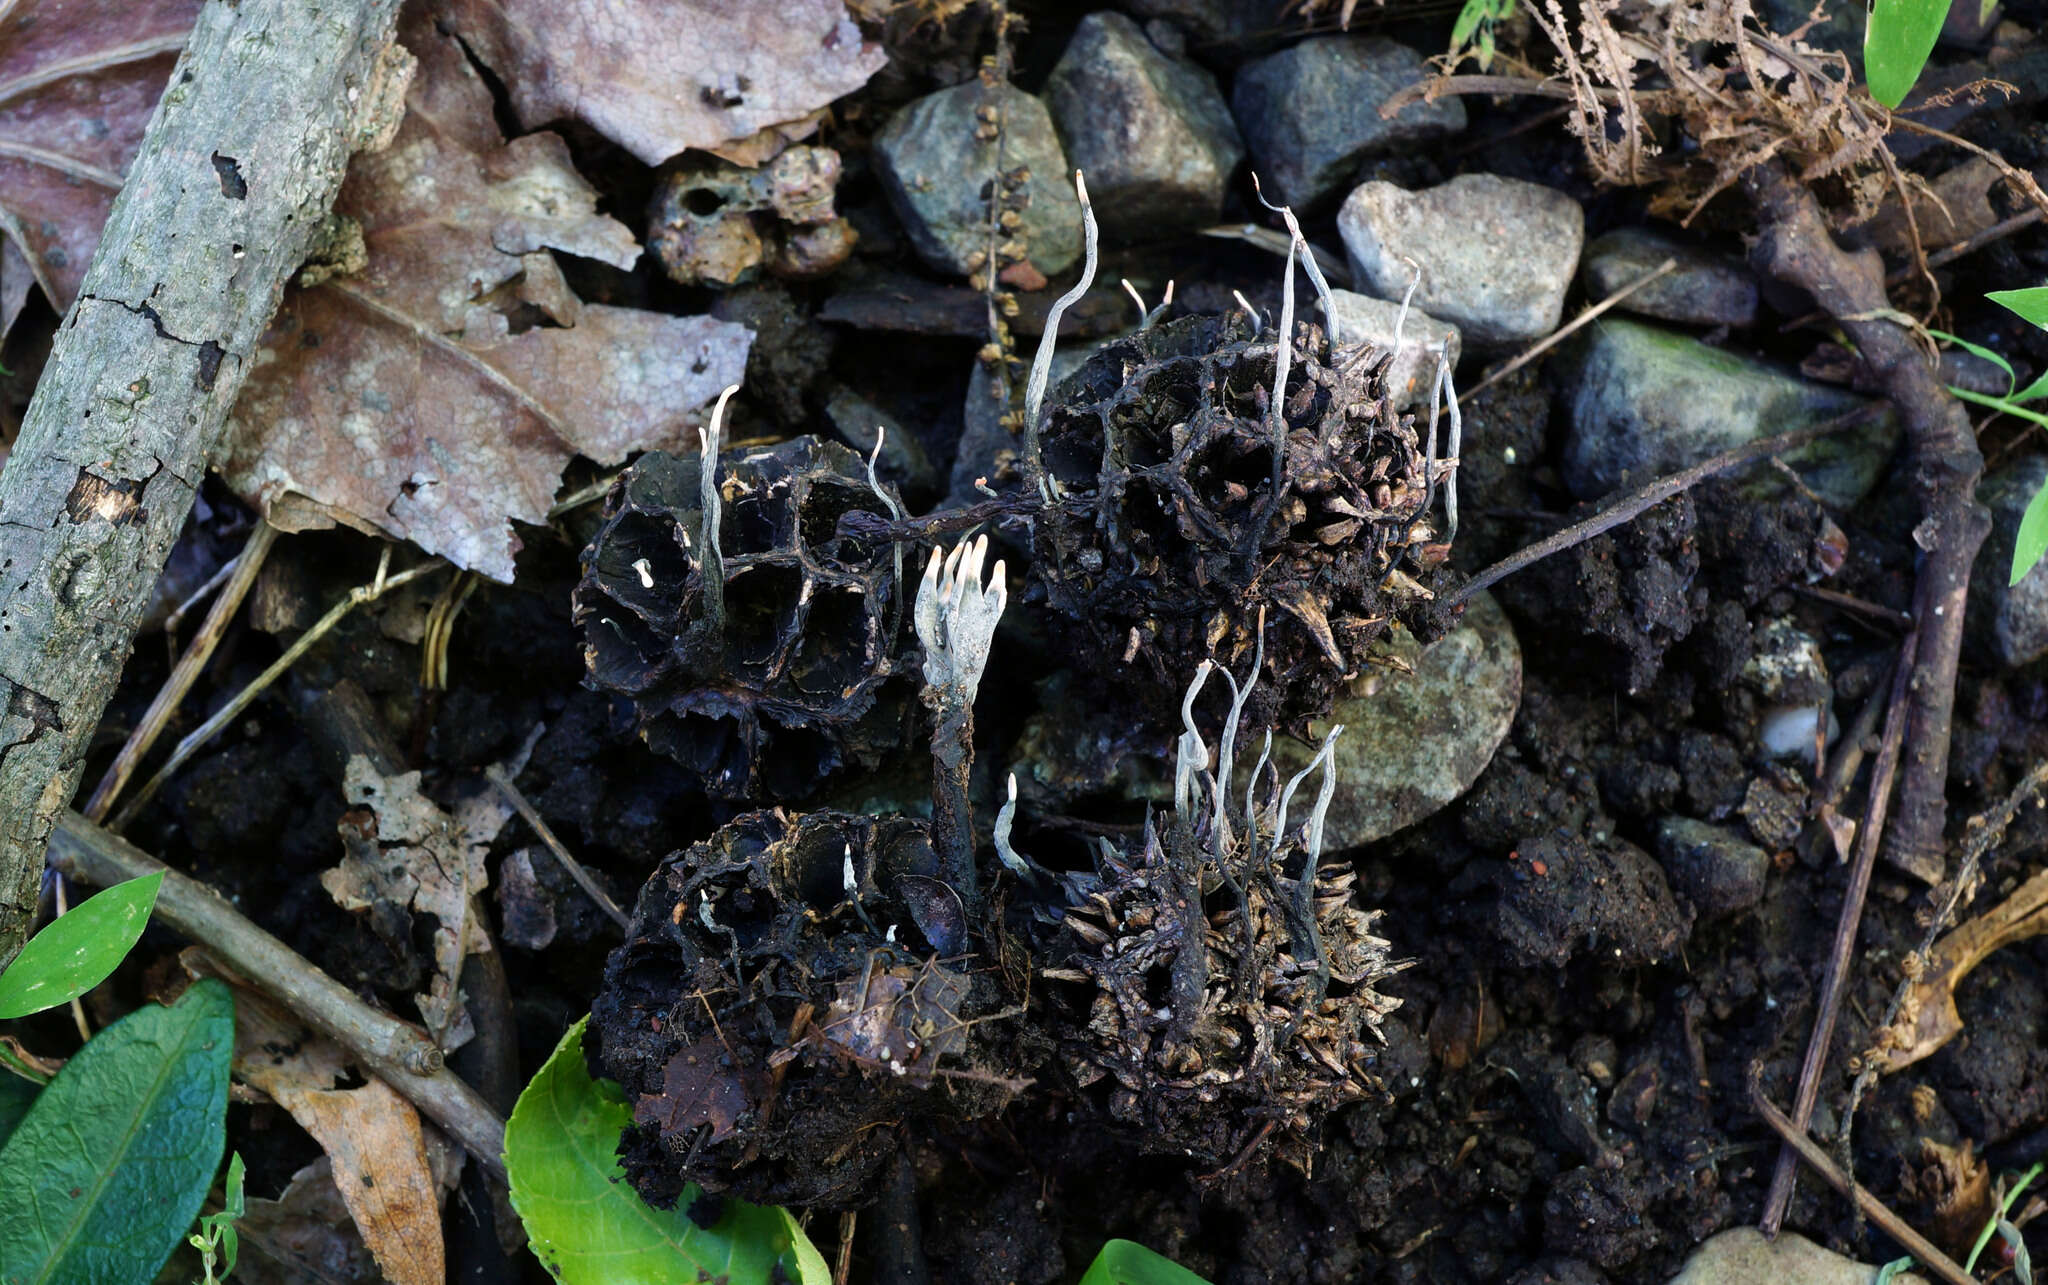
[(405, 855), (78, 81), (657, 76), (438, 383), (307, 1233), (700, 1087), (381, 1167)]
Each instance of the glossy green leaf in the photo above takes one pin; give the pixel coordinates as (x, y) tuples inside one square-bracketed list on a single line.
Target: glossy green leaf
[(2031, 303), (76, 952), (1125, 1262), (106, 1172), (1896, 42), (2032, 540), (589, 1227)]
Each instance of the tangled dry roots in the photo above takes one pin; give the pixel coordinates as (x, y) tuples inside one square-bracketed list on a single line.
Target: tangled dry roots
[(763, 662), (1172, 525), (790, 992)]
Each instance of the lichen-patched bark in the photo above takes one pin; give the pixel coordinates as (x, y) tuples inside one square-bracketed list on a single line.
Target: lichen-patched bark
[(231, 188)]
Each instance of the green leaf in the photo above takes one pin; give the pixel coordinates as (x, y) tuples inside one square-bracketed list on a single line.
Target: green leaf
[(16, 1096), (2032, 540), (107, 1170), (76, 952), (2031, 303), (1978, 350), (1124, 1262), (587, 1224), (1896, 43)]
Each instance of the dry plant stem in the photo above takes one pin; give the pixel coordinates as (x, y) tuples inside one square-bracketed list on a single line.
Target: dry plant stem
[(229, 712), (1796, 248), (1565, 331), (1981, 835), (185, 673), (1805, 1148), (273, 95), (1642, 498), (575, 868), (1836, 978), (397, 1052)]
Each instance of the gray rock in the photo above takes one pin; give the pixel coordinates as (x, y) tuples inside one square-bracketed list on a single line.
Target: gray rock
[(1413, 374), (1496, 254), (1717, 871), (934, 169), (903, 461), (1209, 21), (1703, 290), (1643, 402), (1418, 741), (1563, 894), (1742, 1256), (1151, 132), (2009, 622), (1311, 112)]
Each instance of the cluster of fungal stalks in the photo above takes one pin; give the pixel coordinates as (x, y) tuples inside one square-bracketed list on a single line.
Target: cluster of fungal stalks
[(1223, 979), (801, 991), (754, 639)]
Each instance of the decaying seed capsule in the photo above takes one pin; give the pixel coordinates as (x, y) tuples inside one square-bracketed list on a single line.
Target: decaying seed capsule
[(763, 659)]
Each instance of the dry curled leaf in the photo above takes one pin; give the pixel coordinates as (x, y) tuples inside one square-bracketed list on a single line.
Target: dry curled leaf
[(78, 82), (405, 855), (657, 76), (442, 374)]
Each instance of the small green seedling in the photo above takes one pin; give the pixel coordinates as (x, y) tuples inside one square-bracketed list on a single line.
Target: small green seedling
[(2000, 1225), (216, 1240), (2031, 304), (1124, 1262), (78, 951), (1474, 29), (588, 1226)]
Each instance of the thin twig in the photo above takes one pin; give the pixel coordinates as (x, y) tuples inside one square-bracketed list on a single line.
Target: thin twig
[(1835, 980), (212, 727), (397, 1052), (187, 670), (499, 778), (1563, 332), (1646, 497), (1807, 1149)]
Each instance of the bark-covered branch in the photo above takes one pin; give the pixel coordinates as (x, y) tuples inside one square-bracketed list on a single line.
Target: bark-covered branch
[(1795, 247), (231, 189)]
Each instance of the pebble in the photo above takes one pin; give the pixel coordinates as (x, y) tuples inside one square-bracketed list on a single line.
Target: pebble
[(1562, 895), (1497, 254), (1643, 402), (1419, 740), (1311, 112), (1703, 290), (934, 167), (1151, 132), (2009, 622), (1364, 319), (1713, 868), (902, 461), (1742, 1256)]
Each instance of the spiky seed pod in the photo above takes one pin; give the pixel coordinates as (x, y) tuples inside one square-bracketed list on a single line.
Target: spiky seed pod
[(1173, 524), (767, 680), (1218, 1005), (783, 1000)]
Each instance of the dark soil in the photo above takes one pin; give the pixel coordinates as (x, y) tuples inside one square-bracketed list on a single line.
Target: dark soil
[(1565, 1087)]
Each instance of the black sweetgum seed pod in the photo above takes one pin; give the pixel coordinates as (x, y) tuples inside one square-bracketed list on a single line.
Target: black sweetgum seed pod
[(1172, 528), (781, 672)]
